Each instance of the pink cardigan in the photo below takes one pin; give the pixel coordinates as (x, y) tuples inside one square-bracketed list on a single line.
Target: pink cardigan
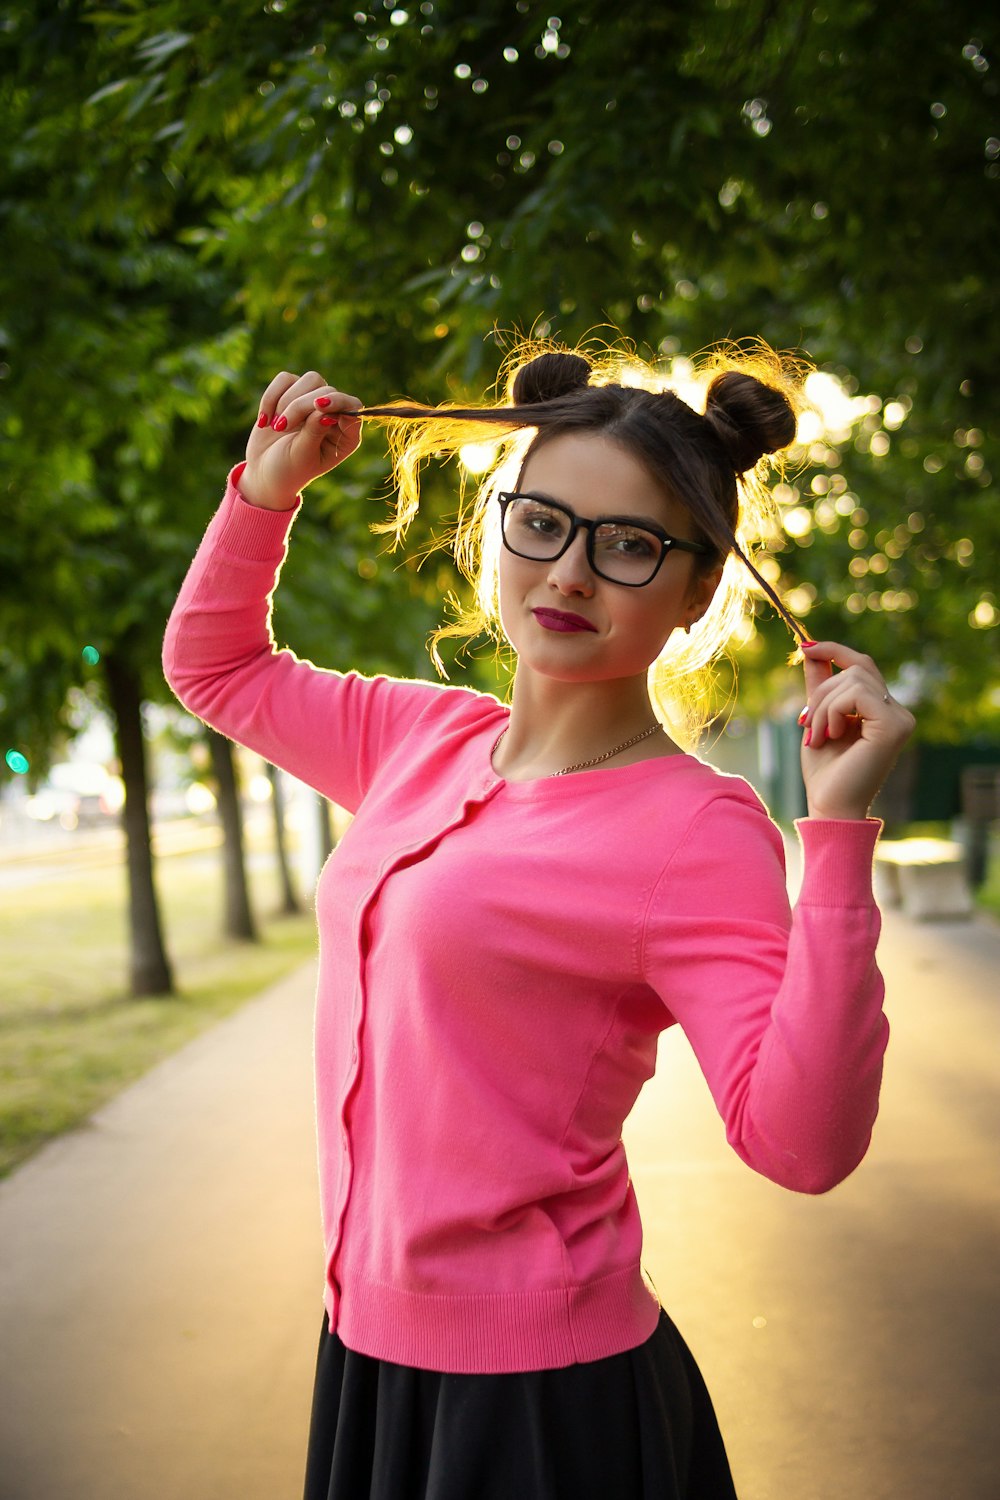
[(497, 960)]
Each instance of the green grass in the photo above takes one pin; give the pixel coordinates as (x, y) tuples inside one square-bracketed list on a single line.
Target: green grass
[(70, 1037)]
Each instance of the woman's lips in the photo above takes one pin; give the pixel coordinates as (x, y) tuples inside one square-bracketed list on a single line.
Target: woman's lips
[(555, 619)]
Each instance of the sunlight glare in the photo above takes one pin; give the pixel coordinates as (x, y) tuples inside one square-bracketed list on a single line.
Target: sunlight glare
[(836, 410), (476, 458)]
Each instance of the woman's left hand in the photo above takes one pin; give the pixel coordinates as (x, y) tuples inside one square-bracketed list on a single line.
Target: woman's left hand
[(853, 731)]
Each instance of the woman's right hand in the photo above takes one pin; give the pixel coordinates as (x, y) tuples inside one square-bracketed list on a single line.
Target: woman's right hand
[(304, 428)]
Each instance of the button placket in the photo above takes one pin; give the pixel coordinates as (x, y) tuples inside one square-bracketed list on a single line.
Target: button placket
[(490, 785)]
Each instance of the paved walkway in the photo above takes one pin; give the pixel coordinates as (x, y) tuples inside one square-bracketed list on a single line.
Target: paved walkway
[(160, 1270), (161, 1279), (850, 1340)]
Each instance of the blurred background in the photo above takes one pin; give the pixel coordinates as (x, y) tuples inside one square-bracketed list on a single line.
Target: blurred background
[(194, 197), (193, 200)]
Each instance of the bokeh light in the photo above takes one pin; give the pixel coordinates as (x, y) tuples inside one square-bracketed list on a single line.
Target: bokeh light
[(199, 798), (476, 458), (835, 410)]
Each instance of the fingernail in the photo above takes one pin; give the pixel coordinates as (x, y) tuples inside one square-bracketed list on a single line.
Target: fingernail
[(808, 736), (802, 715), (809, 643), (263, 419), (328, 421), (279, 424), (322, 401)]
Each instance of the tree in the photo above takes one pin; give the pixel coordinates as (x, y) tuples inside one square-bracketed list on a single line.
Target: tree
[(371, 192), (239, 921), (395, 181), (150, 971), (121, 350), (290, 903)]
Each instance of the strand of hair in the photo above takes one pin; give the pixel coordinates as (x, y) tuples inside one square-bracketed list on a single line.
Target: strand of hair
[(788, 618)]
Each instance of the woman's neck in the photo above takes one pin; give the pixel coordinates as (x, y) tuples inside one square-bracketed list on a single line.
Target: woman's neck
[(554, 725)]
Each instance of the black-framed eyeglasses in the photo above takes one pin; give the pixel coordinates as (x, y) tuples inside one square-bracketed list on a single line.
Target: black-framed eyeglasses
[(619, 548)]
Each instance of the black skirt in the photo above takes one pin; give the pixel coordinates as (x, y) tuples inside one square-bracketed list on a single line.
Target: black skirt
[(635, 1426)]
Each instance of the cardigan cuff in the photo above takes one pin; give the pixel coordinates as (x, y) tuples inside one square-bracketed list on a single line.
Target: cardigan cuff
[(837, 860), (253, 532)]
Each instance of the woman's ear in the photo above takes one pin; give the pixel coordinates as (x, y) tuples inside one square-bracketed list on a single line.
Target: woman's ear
[(701, 594)]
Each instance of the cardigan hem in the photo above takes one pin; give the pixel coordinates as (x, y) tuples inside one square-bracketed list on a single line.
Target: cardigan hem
[(495, 1332)]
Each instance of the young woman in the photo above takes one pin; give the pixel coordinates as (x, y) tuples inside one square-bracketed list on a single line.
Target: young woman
[(527, 896)]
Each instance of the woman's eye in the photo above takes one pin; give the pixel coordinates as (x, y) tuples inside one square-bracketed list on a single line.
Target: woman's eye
[(543, 522), (629, 543)]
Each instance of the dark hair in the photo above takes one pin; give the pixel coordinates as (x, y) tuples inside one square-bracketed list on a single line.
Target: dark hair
[(696, 458)]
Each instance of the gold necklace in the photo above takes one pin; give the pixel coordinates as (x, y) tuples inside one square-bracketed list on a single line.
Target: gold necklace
[(583, 765)]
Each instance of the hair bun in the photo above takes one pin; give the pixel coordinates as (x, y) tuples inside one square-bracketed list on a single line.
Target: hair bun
[(549, 376), (748, 417)]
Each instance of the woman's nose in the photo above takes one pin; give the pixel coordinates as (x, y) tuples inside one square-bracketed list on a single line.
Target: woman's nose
[(571, 573)]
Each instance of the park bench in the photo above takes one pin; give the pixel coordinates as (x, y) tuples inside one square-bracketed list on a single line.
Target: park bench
[(925, 877)]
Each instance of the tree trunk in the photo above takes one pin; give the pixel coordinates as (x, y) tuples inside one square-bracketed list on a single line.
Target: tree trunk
[(325, 829), (239, 921), (290, 904), (149, 967)]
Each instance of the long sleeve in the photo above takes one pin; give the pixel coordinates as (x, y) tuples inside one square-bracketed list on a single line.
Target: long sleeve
[(330, 729), (783, 1009)]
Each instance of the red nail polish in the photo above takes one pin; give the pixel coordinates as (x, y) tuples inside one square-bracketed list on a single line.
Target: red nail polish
[(809, 643), (328, 421), (802, 716), (263, 419), (322, 401), (279, 424), (808, 737)]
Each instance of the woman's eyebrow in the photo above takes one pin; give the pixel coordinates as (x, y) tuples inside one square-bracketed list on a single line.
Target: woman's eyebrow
[(611, 515), (541, 495)]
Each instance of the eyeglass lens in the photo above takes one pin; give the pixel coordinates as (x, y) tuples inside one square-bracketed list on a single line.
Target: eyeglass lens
[(623, 553)]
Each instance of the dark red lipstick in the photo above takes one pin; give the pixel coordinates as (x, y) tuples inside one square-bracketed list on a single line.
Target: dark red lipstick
[(557, 619)]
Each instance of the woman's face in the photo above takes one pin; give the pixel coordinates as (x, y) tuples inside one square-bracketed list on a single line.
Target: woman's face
[(612, 631)]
